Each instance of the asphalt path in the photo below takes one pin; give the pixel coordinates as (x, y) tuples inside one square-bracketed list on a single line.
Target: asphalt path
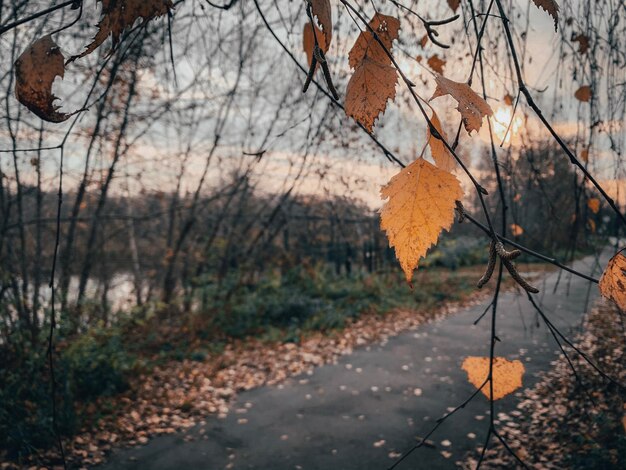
[(361, 412)]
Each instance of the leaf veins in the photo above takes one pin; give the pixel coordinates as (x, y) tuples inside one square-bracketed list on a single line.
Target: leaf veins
[(374, 80), (613, 281), (421, 201), (471, 106)]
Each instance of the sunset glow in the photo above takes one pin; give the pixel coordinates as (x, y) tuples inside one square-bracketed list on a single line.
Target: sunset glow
[(501, 120)]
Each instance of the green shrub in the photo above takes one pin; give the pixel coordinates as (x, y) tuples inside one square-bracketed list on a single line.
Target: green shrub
[(26, 401), (98, 364), (93, 365)]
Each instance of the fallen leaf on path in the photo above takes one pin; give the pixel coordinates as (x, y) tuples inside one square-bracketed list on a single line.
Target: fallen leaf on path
[(506, 375)]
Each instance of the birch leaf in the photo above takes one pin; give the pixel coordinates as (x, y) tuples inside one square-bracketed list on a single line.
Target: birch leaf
[(374, 80), (119, 15), (594, 205), (454, 4), (308, 41), (471, 106), (436, 63), (387, 29), (613, 281), (583, 42), (322, 10), (442, 156), (551, 7), (35, 71), (516, 230), (506, 375), (421, 201), (583, 93)]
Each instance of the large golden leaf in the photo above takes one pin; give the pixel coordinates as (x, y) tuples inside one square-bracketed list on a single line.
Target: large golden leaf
[(374, 80), (35, 71), (471, 106), (613, 281), (442, 156), (421, 201), (321, 9), (551, 7), (506, 375), (118, 15)]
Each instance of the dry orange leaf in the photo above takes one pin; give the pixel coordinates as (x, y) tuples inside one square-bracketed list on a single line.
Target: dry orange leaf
[(583, 42), (508, 99), (365, 46), (423, 41), (321, 9), (584, 154), (118, 15), (374, 80), (368, 91), (594, 205), (436, 63), (506, 375), (471, 106), (613, 281), (35, 71), (551, 7), (516, 230), (592, 225), (308, 41), (421, 201), (454, 4), (442, 156), (583, 93)]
